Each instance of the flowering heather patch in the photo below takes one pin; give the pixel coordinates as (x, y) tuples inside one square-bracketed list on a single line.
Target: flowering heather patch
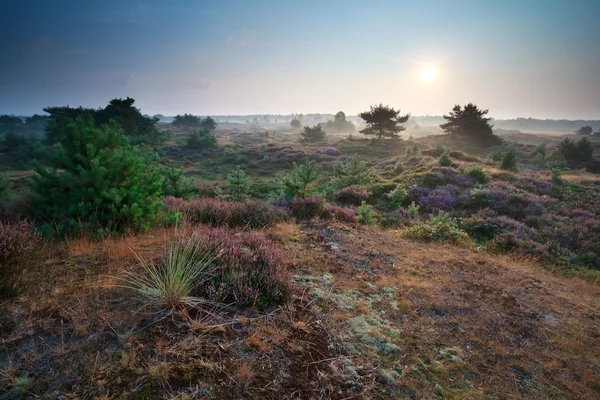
[(248, 269), (306, 209), (16, 240), (250, 213), (445, 176), (441, 198), (535, 186), (352, 195), (341, 214), (332, 151)]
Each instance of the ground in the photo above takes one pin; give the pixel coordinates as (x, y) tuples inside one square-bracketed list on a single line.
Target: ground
[(373, 316)]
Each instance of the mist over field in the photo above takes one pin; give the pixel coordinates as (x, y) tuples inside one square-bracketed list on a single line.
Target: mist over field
[(299, 200)]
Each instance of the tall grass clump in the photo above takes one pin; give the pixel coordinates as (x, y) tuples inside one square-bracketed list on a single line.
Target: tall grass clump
[(171, 280)]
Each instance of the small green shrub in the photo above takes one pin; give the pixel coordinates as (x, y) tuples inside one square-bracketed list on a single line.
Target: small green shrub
[(445, 160), (476, 172), (396, 197), (6, 187), (300, 182), (540, 150), (176, 184), (201, 139), (238, 186), (439, 228), (353, 172), (413, 210), (312, 134), (366, 215), (510, 160)]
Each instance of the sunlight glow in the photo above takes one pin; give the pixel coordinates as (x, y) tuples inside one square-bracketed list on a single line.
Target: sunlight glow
[(428, 74)]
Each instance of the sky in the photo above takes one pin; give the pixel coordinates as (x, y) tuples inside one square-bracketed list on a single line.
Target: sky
[(517, 58)]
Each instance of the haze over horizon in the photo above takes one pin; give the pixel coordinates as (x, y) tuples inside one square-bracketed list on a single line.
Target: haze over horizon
[(533, 58)]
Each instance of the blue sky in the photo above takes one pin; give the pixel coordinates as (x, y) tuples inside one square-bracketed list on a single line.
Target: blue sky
[(538, 58)]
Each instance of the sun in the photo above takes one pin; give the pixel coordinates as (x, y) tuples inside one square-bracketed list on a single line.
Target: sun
[(428, 74)]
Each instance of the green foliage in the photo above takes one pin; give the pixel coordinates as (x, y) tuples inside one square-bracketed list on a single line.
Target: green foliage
[(475, 172), (584, 130), (6, 187), (383, 121), (413, 210), (440, 148), (176, 184), (201, 139), (9, 122), (445, 160), (540, 150), (580, 151), (299, 183), (556, 165), (495, 155), (469, 121), (209, 124), (365, 214), (314, 134), (339, 124), (186, 120), (510, 160), (238, 186), (296, 123), (94, 179), (438, 228), (354, 172), (396, 197)]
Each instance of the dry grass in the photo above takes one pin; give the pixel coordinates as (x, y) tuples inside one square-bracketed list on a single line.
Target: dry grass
[(376, 317)]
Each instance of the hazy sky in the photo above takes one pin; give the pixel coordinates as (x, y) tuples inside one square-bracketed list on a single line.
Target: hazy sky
[(515, 57)]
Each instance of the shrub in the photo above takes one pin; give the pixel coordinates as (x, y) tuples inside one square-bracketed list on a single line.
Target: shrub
[(352, 172), (438, 228), (251, 214), (96, 180), (510, 160), (306, 209), (176, 185), (353, 195), (445, 160), (585, 149), (186, 120), (445, 175), (248, 269), (580, 151), (366, 215), (314, 134), (238, 186), (475, 172), (201, 139), (16, 240), (413, 210), (299, 183), (540, 150), (5, 187), (341, 214), (396, 197)]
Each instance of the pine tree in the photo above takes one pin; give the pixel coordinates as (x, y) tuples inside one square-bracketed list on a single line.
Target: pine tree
[(94, 179), (353, 172), (299, 183), (314, 134), (383, 121), (469, 121), (175, 184), (238, 185)]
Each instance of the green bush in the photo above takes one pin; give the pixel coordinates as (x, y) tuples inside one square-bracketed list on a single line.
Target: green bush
[(413, 210), (445, 160), (312, 134), (396, 197), (510, 160), (5, 187), (201, 139), (95, 180), (365, 214), (238, 186), (439, 228), (352, 173), (475, 172), (540, 150), (299, 183), (176, 184)]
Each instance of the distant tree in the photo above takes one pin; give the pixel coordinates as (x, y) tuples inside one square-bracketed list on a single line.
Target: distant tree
[(339, 124), (8, 122), (209, 124), (201, 139), (597, 133), (383, 121), (314, 134), (186, 120), (59, 117), (296, 123), (575, 152), (36, 119), (584, 130), (94, 179), (469, 121)]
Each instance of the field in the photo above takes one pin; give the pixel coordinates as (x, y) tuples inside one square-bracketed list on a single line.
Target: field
[(498, 298)]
